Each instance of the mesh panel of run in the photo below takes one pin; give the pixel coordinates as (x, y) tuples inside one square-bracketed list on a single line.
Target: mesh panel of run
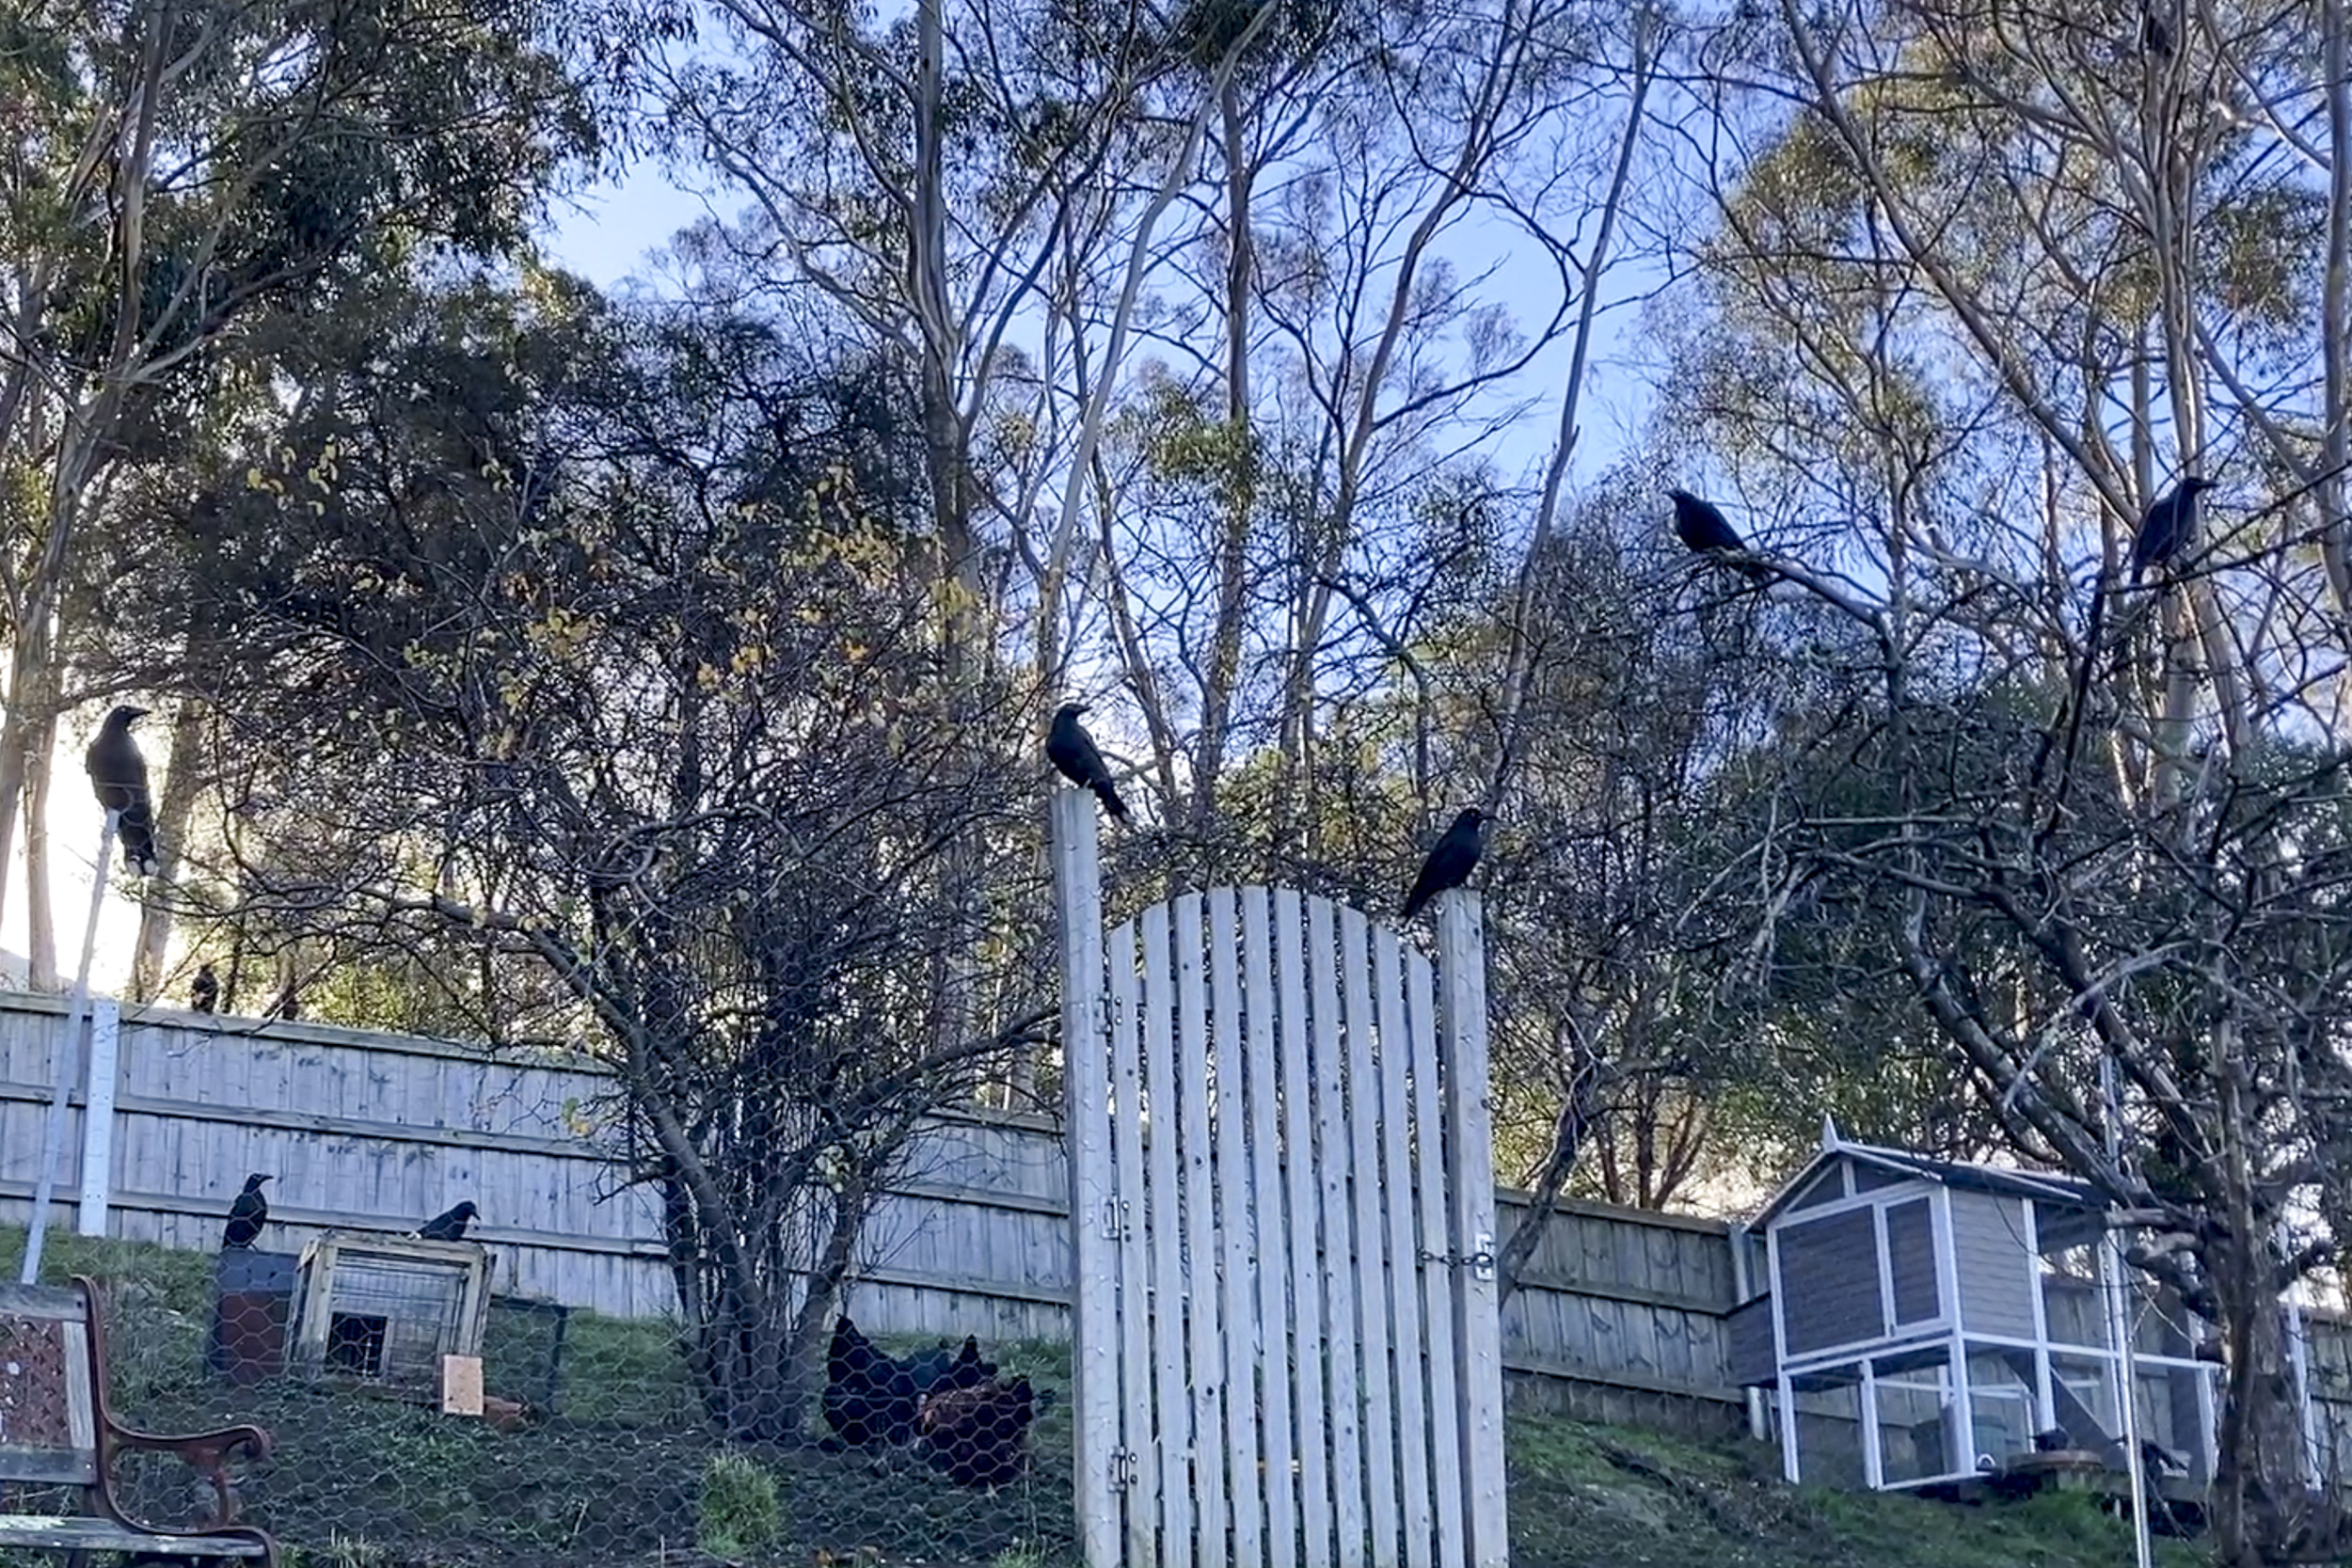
[(593, 1447)]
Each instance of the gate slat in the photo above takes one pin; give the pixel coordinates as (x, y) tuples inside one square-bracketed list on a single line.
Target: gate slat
[(1478, 1326), (1163, 1218), (1338, 1241), (1372, 1307), (1405, 1266), (1268, 1027), (1236, 1219), (1198, 1178), (1299, 1168), (1136, 1433), (1445, 1435)]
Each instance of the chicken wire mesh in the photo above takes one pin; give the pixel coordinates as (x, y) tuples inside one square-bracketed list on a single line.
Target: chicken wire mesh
[(593, 1447)]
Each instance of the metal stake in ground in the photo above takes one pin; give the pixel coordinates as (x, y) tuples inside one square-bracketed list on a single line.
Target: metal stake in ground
[(69, 1063)]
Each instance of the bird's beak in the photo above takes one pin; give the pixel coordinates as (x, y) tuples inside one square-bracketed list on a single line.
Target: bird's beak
[(1080, 707), (138, 713)]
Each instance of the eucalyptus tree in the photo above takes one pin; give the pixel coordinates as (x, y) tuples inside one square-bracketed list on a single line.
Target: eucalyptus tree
[(178, 168), (1984, 283)]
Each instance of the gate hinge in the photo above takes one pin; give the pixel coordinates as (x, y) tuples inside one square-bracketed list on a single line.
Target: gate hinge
[(1114, 1223), (1481, 1263), (1125, 1472)]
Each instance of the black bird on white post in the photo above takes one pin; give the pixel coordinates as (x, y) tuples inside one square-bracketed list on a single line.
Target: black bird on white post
[(119, 774), (1451, 863), (1072, 753), (2169, 527)]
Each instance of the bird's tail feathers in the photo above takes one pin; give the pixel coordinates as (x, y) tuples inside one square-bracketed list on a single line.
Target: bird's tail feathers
[(1111, 802)]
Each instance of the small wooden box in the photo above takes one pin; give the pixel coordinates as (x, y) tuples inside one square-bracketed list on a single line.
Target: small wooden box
[(384, 1310)]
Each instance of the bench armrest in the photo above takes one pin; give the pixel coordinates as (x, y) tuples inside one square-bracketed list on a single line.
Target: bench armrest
[(207, 1452)]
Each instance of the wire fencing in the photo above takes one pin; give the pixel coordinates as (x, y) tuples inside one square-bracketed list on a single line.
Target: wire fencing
[(592, 1447)]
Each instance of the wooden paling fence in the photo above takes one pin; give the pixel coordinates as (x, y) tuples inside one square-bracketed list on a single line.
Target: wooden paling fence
[(1286, 1345), (1619, 1315)]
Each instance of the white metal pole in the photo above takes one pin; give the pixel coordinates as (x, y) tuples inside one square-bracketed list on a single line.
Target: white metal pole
[(68, 1061), (2119, 1328)]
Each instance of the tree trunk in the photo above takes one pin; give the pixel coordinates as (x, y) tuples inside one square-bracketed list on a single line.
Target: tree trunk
[(40, 923), (1216, 697), (173, 809), (2261, 1510)]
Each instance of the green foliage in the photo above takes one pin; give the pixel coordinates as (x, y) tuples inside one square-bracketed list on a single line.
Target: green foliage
[(738, 1511)]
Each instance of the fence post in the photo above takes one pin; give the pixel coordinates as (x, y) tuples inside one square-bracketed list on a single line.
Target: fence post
[(1470, 1143), (98, 1117), (1093, 1182)]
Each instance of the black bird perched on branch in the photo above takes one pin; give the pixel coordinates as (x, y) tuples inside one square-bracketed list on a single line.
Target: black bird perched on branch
[(1450, 864), (1703, 529), (449, 1225), (1072, 752), (204, 990), (2168, 526), (119, 775), (246, 1214)]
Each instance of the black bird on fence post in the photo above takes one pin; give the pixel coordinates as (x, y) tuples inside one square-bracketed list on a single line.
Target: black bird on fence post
[(247, 1215), (1451, 863), (204, 990), (2169, 526), (1072, 753), (119, 773), (448, 1225)]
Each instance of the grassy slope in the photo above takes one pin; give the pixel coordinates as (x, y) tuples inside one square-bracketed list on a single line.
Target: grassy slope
[(615, 1477)]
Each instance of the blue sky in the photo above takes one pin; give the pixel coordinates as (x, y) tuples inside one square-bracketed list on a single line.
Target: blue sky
[(607, 233)]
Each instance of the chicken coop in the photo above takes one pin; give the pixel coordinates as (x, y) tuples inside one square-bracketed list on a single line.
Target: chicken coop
[(1924, 1323), (383, 1310)]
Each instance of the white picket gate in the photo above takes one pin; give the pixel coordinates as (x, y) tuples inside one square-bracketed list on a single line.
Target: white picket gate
[(1287, 1348)]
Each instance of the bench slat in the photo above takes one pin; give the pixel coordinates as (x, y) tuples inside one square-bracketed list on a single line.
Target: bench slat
[(81, 1415), (52, 1534), (44, 1467), (39, 1301)]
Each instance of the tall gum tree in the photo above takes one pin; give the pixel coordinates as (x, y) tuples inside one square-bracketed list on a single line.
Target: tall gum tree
[(183, 166), (1990, 279)]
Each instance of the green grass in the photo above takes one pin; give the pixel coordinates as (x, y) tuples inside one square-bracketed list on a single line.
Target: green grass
[(1592, 1497), (620, 1473)]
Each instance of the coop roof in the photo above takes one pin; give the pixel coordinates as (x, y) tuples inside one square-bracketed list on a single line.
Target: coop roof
[(2037, 1186)]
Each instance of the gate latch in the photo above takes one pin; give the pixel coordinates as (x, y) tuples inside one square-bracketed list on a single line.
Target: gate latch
[(1480, 1264)]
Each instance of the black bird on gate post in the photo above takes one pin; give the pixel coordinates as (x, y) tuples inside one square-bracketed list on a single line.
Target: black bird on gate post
[(1072, 752), (247, 1215), (2169, 526), (119, 773), (1451, 863), (448, 1225), (204, 990)]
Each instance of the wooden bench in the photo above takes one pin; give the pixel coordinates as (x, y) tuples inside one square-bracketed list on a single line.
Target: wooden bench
[(56, 1432)]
